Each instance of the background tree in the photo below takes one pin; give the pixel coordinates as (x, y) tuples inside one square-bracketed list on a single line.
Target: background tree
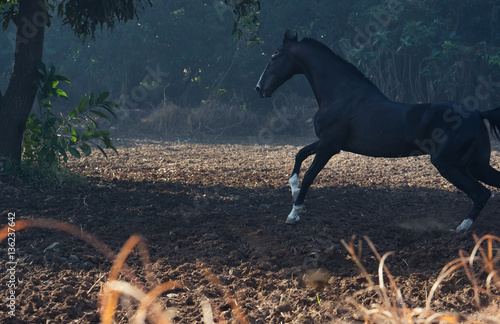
[(30, 18), (415, 51)]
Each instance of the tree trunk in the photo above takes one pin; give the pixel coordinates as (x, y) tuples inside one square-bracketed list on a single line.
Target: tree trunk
[(16, 104)]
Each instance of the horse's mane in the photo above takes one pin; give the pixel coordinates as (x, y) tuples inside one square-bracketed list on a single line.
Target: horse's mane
[(345, 64)]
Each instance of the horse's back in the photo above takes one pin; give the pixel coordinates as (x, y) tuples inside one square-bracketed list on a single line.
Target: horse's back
[(398, 130), (385, 130)]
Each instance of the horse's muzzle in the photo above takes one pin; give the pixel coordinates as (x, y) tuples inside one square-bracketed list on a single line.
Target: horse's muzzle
[(262, 93)]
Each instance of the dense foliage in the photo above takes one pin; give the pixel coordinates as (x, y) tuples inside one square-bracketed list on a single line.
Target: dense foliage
[(50, 136), (29, 19), (415, 51)]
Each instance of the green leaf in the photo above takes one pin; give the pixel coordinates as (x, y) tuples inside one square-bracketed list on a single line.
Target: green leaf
[(74, 134), (62, 78), (61, 94), (47, 104), (110, 109), (40, 67), (6, 24), (102, 151), (74, 152), (83, 103), (102, 97), (99, 113), (86, 149), (62, 152), (73, 113), (52, 71), (91, 122)]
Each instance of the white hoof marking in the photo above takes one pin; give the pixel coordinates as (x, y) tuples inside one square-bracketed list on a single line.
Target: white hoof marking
[(294, 217), (294, 185), (466, 224)]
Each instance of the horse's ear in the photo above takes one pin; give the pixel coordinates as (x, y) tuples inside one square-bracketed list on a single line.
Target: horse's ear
[(288, 37)]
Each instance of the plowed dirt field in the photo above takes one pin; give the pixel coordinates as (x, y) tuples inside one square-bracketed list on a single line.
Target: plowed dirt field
[(220, 208)]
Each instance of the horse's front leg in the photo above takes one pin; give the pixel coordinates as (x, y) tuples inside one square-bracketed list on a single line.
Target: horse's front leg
[(294, 185), (303, 154), (320, 160)]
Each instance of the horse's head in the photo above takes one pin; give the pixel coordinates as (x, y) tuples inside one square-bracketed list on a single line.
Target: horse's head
[(279, 69)]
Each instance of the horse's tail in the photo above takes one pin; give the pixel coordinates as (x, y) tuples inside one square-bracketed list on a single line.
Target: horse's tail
[(493, 117)]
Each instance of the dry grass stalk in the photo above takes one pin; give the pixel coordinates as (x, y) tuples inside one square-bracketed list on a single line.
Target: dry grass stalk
[(393, 308), (206, 308), (113, 288), (488, 259), (231, 301), (111, 292)]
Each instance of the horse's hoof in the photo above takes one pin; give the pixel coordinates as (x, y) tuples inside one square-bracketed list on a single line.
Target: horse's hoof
[(292, 219), (466, 224)]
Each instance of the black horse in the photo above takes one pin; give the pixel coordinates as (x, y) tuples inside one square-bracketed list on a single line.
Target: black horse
[(355, 116)]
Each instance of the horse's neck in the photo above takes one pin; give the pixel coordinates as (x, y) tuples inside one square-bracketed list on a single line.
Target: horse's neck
[(332, 78)]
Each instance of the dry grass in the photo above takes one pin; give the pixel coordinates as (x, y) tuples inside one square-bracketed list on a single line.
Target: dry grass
[(169, 118), (289, 114), (147, 310), (391, 308)]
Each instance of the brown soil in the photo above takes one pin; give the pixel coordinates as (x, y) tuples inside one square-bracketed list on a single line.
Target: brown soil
[(222, 207)]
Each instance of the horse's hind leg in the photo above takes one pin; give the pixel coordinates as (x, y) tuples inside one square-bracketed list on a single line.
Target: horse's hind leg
[(303, 154), (469, 185), (485, 173), (322, 157)]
